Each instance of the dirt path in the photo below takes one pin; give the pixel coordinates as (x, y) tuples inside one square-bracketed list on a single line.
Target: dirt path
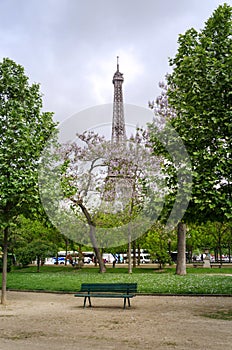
[(38, 321)]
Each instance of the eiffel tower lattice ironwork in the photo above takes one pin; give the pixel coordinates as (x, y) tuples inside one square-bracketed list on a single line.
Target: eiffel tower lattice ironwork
[(118, 181), (118, 125)]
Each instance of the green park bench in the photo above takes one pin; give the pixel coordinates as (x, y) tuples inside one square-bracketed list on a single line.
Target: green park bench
[(107, 290), (216, 264), (198, 264)]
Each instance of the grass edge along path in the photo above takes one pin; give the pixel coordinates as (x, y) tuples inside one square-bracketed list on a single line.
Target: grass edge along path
[(150, 281)]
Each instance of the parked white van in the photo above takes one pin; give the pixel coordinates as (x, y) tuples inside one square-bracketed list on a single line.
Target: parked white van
[(145, 259)]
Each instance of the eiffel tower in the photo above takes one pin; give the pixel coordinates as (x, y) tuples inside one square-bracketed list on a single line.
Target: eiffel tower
[(118, 186), (118, 124)]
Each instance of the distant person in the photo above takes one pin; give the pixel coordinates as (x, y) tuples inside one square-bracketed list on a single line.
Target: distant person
[(70, 259)]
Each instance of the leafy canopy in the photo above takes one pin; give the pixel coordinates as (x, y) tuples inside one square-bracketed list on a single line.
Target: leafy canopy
[(199, 91), (24, 131)]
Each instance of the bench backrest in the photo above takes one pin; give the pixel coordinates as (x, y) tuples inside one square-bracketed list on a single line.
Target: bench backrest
[(109, 287)]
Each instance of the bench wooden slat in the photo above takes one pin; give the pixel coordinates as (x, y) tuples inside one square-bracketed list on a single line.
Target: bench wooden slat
[(110, 295), (114, 287)]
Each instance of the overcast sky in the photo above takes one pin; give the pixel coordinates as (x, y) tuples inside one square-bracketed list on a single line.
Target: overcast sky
[(70, 46)]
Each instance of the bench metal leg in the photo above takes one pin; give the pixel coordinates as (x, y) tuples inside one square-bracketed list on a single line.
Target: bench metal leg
[(88, 300), (84, 301), (128, 300)]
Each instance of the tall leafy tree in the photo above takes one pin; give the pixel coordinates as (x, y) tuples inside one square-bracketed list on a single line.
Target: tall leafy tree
[(199, 92), (24, 131)]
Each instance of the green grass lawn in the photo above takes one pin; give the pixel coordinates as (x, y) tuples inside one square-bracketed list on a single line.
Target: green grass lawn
[(150, 280)]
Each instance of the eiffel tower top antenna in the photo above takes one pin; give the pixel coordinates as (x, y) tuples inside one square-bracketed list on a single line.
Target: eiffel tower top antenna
[(118, 124)]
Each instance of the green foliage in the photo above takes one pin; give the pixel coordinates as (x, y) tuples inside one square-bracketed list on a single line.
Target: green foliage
[(215, 236), (199, 89), (10, 261), (36, 250), (157, 244), (24, 256), (197, 103), (24, 131), (28, 232)]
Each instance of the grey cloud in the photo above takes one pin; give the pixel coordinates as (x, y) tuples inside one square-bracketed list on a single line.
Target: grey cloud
[(60, 43)]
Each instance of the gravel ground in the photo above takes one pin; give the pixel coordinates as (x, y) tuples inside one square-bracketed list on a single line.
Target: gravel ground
[(49, 321)]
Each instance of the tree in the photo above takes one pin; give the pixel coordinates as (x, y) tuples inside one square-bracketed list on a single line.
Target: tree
[(176, 171), (24, 131), (36, 250), (199, 92), (213, 236), (102, 193), (217, 236), (25, 231), (157, 240)]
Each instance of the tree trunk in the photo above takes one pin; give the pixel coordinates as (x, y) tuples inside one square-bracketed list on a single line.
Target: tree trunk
[(216, 254), (134, 253), (139, 255), (181, 243), (129, 250), (93, 237), (129, 258), (80, 257), (4, 266), (38, 263), (66, 251), (96, 249), (220, 248)]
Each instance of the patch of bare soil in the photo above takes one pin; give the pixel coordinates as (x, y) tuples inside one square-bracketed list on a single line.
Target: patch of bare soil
[(38, 321)]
